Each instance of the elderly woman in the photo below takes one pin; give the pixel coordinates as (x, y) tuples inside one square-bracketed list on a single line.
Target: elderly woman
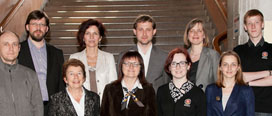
[(75, 100), (131, 94), (180, 97), (99, 65), (204, 60), (230, 96)]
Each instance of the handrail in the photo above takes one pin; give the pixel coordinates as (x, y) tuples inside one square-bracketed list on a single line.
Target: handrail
[(221, 9), (222, 36), (11, 14)]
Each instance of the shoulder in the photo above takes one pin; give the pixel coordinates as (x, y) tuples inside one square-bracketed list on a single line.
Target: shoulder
[(246, 89), (28, 71), (210, 52), (53, 48), (240, 47), (77, 54), (106, 54), (163, 88), (93, 95), (197, 90), (211, 87), (159, 50), (58, 96)]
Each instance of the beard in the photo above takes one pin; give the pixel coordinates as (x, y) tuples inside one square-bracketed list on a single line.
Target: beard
[(38, 37)]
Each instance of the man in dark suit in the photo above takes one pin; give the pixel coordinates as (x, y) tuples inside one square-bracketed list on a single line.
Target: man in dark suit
[(43, 58), (154, 58)]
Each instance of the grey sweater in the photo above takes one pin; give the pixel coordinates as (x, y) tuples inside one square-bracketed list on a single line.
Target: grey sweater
[(20, 93)]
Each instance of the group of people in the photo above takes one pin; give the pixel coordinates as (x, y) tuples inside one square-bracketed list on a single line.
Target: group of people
[(188, 81)]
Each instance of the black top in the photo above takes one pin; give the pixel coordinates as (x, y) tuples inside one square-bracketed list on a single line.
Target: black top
[(258, 58), (192, 72), (192, 103)]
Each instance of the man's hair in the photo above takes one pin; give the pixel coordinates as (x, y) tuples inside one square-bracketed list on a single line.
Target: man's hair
[(253, 12), (144, 18), (37, 15), (4, 32)]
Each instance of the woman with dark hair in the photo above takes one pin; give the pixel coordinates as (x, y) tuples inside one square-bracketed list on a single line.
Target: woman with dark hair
[(99, 65), (230, 96), (75, 100), (131, 94), (204, 60), (180, 97)]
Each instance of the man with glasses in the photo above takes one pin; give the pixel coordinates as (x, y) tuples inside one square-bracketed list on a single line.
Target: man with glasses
[(43, 58), (154, 58)]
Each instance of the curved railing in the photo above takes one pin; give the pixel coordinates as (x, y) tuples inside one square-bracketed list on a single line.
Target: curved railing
[(11, 13), (222, 36)]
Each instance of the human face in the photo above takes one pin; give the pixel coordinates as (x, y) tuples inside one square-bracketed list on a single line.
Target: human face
[(92, 37), (196, 35), (131, 68), (179, 66), (254, 27), (74, 77), (229, 66), (144, 33), (9, 48), (37, 29)]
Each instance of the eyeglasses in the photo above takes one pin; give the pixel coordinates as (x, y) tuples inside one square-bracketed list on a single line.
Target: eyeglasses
[(181, 63), (36, 24), (133, 64)]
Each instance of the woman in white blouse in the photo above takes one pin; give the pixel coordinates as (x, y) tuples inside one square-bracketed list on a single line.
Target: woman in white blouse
[(99, 65)]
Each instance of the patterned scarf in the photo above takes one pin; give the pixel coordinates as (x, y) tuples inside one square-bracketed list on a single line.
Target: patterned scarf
[(130, 93), (176, 92)]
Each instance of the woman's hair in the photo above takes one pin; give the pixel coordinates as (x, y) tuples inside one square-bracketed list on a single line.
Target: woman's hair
[(75, 63), (239, 75), (137, 56), (189, 26), (171, 57), (84, 26)]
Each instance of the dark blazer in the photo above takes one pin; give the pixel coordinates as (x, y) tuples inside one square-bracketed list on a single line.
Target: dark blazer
[(240, 103), (167, 107), (113, 95), (155, 72), (61, 105), (54, 80), (207, 67)]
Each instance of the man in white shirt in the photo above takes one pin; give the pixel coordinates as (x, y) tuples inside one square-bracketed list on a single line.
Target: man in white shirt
[(154, 58)]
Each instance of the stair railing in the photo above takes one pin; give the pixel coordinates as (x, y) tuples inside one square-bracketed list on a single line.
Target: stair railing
[(11, 13), (222, 36)]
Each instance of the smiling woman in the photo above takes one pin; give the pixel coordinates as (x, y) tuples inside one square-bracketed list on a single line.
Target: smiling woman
[(180, 97), (131, 94), (75, 99)]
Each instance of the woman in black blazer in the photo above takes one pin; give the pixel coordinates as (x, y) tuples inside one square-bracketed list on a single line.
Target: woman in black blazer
[(180, 97), (131, 94), (75, 100), (230, 96)]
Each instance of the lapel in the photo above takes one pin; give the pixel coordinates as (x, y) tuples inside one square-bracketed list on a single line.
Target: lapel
[(68, 105), (100, 64), (49, 62), (202, 62), (152, 61), (230, 107), (28, 57), (218, 103), (89, 102), (117, 95)]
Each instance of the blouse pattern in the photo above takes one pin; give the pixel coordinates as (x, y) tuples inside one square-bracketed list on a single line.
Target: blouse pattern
[(176, 92)]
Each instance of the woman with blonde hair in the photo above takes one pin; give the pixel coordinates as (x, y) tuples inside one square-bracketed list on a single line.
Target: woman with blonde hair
[(230, 95), (204, 59)]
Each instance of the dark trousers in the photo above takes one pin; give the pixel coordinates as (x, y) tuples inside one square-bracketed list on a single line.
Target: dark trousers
[(46, 107)]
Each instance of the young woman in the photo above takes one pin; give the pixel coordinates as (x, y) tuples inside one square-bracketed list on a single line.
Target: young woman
[(230, 96), (131, 94), (180, 97), (204, 60)]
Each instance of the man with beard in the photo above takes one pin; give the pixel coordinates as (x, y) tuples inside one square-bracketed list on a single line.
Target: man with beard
[(154, 58), (43, 58)]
